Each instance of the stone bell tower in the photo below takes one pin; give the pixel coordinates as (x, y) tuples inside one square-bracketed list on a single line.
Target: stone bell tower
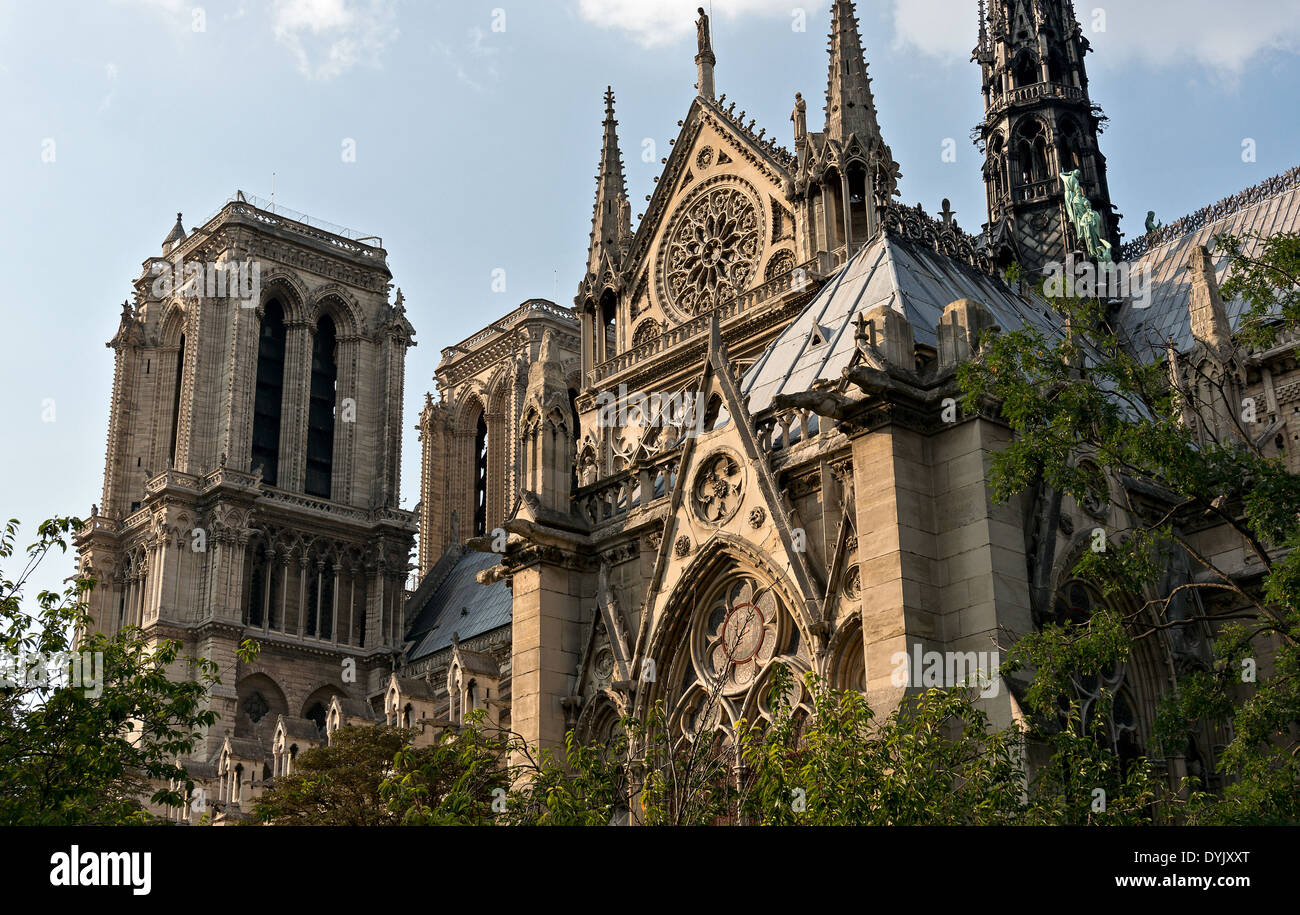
[(1039, 122), (252, 476)]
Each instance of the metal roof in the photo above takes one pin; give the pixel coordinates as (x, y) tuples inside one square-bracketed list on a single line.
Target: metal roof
[(1166, 315), (459, 604), (912, 279)]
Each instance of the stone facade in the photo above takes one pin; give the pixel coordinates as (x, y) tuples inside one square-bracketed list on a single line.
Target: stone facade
[(740, 446), (821, 496)]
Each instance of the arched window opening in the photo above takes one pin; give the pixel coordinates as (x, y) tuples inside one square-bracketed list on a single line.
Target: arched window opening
[(313, 599), (1074, 152), (995, 168), (835, 210), (1056, 66), (573, 441), (325, 613), (320, 416), (256, 598), (858, 205), (1031, 150), (816, 237), (316, 714), (606, 333), (1026, 70), (1104, 699), (176, 398), (269, 394), (274, 596), (480, 476)]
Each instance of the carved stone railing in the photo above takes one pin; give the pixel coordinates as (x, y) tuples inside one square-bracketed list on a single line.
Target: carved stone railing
[(618, 494), (1037, 190), (1212, 213), (229, 476), (1033, 93), (526, 310), (796, 280), (779, 431), (99, 525), (136, 519), (323, 506), (169, 479), (272, 214)]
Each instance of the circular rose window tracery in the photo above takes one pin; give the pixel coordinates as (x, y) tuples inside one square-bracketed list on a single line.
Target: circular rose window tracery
[(712, 250), (737, 636), (719, 487), (738, 633)]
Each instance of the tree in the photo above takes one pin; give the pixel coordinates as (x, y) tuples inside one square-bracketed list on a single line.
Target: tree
[(85, 753), (1087, 407), (375, 776)]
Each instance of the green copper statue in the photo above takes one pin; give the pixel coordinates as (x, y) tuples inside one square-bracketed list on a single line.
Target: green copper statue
[(1086, 220)]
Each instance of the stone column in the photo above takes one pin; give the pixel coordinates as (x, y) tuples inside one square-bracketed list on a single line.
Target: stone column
[(546, 640)]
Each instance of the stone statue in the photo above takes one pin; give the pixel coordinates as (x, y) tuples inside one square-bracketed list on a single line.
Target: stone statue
[(800, 117), (702, 32), (1086, 220), (624, 215)]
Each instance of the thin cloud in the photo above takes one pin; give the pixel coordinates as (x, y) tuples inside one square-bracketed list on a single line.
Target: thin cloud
[(1157, 33), (329, 37), (475, 65)]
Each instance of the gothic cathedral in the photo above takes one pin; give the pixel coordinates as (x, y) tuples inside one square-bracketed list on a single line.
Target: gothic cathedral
[(732, 451)]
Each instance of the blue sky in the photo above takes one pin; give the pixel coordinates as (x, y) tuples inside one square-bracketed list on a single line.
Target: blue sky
[(477, 131)]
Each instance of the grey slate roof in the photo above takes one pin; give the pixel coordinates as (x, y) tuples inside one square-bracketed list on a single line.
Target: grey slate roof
[(476, 662), (457, 604), (911, 278), (1166, 316), (356, 708), (300, 728)]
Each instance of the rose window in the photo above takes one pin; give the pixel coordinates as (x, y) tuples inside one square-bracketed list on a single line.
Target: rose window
[(740, 635), (713, 250)]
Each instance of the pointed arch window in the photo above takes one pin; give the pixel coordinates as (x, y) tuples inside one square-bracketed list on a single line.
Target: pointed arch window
[(176, 398), (606, 333), (320, 418), (1031, 150), (1027, 72), (573, 440), (480, 476), (269, 394)]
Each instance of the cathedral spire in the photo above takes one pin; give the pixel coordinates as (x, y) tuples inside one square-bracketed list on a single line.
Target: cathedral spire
[(1040, 126), (850, 107), (611, 218)]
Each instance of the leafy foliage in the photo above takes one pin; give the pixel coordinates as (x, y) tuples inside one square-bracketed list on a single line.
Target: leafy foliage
[(85, 754), (1127, 415)]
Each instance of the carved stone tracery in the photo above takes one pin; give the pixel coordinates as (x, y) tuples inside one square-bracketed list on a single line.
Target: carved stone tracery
[(713, 248)]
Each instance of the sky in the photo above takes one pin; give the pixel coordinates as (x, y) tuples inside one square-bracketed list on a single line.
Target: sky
[(476, 128)]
